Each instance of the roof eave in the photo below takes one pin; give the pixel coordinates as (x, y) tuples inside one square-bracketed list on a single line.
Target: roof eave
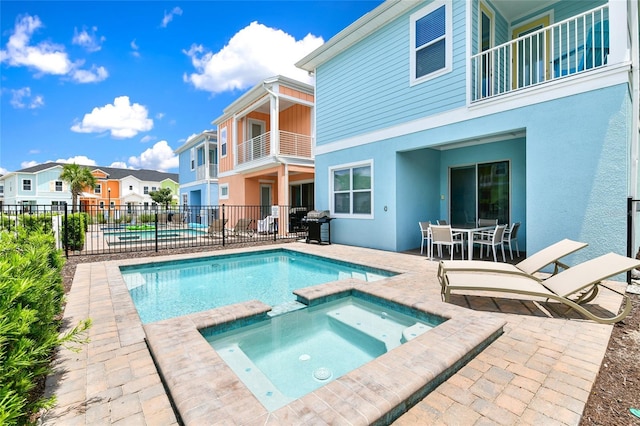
[(355, 32)]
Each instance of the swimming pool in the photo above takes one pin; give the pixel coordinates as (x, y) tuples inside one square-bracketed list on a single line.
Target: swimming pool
[(131, 236), (290, 355), (170, 289)]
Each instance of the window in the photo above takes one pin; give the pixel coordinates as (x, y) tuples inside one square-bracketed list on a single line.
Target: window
[(431, 44), (200, 156), (146, 190), (56, 206), (130, 187), (58, 186), (223, 142), (192, 159), (153, 188), (352, 190), (1, 189), (102, 204), (98, 189), (26, 184), (224, 191)]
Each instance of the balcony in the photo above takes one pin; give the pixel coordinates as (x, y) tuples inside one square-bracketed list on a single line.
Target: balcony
[(201, 172), (288, 144), (569, 47)]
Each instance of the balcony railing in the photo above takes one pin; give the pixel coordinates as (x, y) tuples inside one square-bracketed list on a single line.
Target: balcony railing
[(572, 46), (291, 144), (201, 172)]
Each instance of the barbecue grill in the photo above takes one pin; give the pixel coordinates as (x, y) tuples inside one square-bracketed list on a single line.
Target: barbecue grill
[(314, 220)]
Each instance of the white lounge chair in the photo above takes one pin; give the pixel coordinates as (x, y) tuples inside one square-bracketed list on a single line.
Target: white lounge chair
[(573, 287)]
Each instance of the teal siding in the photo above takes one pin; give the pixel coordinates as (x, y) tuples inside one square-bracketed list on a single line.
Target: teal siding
[(367, 87)]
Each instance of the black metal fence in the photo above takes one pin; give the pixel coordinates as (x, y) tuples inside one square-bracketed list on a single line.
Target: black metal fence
[(121, 229)]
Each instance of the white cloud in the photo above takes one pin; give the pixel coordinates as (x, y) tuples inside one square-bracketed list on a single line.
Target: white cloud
[(159, 157), (160, 115), (44, 57), (122, 119), (27, 164), (34, 151), (168, 17), (120, 165), (94, 75), (91, 42), (22, 98), (3, 171), (135, 48), (252, 54), (78, 159), (147, 138)]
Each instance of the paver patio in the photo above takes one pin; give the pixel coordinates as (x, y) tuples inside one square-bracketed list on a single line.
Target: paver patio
[(540, 371)]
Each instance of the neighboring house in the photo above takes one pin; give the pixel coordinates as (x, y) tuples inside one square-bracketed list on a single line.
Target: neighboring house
[(265, 146), (198, 170), (458, 110), (38, 185), (41, 185)]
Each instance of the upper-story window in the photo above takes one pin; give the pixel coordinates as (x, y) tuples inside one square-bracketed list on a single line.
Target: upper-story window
[(98, 189), (2, 189), (146, 190), (26, 184), (58, 186), (223, 142), (153, 188), (431, 35), (130, 187), (192, 158), (352, 190)]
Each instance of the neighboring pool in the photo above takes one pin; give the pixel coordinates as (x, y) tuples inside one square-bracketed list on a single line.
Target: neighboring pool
[(128, 236), (170, 289), (288, 356)]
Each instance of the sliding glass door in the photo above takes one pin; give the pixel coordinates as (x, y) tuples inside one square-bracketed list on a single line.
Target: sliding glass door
[(480, 191)]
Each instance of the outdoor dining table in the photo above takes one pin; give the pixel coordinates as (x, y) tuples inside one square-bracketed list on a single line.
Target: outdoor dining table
[(469, 236)]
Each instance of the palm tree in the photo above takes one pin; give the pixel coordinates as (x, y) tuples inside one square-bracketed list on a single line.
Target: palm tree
[(78, 179)]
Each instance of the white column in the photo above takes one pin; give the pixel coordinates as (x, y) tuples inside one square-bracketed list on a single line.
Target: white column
[(619, 49), (274, 107)]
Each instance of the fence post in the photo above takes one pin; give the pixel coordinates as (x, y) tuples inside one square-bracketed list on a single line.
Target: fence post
[(156, 228), (223, 226), (629, 233), (65, 237)]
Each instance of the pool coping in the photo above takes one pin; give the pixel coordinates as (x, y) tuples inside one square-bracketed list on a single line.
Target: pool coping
[(202, 386)]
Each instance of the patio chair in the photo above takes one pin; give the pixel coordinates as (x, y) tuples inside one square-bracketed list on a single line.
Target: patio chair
[(491, 240), (573, 287), (442, 235), (216, 226), (425, 236), (487, 222), (242, 227), (550, 255), (511, 236), (441, 222), (265, 226)]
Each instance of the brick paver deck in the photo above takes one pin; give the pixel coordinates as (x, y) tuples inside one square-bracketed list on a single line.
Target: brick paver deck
[(540, 371)]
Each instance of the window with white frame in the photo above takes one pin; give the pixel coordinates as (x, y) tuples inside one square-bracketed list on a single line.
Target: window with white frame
[(224, 191), (130, 187), (223, 142), (102, 204), (145, 190), (192, 158), (98, 189), (352, 190), (26, 184), (2, 189), (431, 34)]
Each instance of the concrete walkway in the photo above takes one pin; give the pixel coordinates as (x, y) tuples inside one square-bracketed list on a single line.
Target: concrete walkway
[(540, 371)]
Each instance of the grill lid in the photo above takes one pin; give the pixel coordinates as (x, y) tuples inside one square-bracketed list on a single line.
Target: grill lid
[(317, 214)]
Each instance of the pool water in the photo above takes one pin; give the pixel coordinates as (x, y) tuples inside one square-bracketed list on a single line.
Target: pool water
[(290, 355), (171, 289), (150, 234)]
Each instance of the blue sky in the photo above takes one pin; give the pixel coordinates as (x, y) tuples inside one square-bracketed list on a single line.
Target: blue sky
[(125, 83)]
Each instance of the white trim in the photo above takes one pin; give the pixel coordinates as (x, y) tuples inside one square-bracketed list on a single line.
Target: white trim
[(448, 38), (224, 140), (610, 75), (247, 127), (222, 187), (350, 166)]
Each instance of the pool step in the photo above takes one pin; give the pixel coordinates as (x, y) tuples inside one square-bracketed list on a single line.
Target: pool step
[(377, 325), (414, 331)]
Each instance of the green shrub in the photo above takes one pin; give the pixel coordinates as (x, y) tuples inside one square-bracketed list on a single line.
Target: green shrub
[(74, 231), (37, 222), (147, 218), (86, 219), (31, 304)]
